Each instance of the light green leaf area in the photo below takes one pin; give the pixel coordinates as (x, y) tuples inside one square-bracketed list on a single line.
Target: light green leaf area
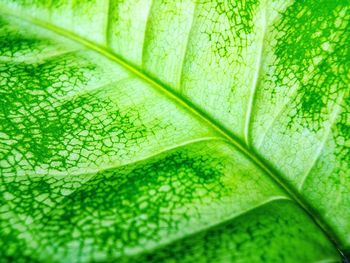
[(174, 131)]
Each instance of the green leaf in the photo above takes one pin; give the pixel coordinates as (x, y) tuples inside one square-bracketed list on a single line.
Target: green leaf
[(174, 131)]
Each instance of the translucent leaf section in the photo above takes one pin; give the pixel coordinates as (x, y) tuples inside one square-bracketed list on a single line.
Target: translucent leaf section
[(274, 74), (231, 240), (302, 106), (77, 111), (182, 200), (99, 164)]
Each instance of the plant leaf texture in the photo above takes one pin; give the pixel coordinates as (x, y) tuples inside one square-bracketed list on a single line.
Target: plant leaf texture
[(174, 131)]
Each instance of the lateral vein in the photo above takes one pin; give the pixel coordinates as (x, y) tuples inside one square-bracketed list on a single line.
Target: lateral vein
[(333, 119), (255, 82)]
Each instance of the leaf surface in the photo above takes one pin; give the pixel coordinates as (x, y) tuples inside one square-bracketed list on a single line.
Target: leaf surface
[(174, 131)]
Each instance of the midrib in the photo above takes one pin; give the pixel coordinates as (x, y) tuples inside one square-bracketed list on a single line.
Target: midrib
[(198, 113)]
